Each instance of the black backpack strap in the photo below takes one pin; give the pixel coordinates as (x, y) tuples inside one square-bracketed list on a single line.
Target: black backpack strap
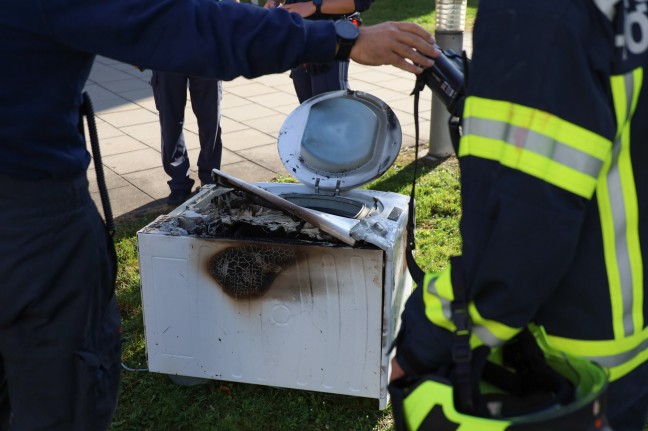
[(88, 112), (461, 351), (415, 270)]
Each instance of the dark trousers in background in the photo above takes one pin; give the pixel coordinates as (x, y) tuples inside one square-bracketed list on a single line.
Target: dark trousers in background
[(170, 94), (60, 342), (313, 79)]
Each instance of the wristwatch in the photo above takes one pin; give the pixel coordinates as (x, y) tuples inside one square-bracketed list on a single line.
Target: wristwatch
[(318, 6), (347, 34)]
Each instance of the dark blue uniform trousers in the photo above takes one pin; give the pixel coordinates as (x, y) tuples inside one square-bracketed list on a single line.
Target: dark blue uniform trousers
[(170, 93), (312, 79), (60, 330)]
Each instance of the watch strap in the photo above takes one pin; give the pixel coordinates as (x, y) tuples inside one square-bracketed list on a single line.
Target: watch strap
[(344, 50)]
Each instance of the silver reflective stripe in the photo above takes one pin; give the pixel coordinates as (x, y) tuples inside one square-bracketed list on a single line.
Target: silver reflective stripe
[(621, 358), (607, 7), (487, 336), (621, 244), (619, 218), (536, 143), (445, 304)]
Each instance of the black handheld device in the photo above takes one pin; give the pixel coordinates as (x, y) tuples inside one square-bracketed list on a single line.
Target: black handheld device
[(446, 79)]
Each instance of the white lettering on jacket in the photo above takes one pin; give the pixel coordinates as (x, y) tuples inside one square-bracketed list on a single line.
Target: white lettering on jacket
[(636, 27)]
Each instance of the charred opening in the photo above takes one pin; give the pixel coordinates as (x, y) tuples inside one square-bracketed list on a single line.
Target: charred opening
[(249, 271), (335, 205)]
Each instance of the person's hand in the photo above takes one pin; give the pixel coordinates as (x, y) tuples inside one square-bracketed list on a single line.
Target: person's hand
[(405, 45), (270, 4), (396, 370), (305, 9)]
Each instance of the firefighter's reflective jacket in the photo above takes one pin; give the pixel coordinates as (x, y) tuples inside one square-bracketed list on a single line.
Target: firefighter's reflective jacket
[(554, 177)]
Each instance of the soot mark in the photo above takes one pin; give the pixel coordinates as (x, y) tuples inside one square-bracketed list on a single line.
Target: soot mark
[(249, 271)]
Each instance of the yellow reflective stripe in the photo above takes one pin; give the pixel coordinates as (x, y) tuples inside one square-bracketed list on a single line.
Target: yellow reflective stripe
[(607, 233), (475, 341), (619, 213), (619, 356), (621, 370), (540, 122), (599, 347), (534, 142), (529, 163), (419, 402), (437, 297), (632, 210), (490, 332), (428, 395), (620, 103)]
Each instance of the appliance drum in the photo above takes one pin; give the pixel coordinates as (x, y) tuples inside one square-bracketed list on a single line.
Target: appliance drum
[(336, 205)]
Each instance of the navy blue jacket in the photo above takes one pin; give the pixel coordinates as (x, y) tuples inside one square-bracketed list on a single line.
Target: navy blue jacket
[(47, 49), (554, 178)]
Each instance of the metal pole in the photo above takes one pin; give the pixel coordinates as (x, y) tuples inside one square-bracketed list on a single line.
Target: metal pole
[(450, 24)]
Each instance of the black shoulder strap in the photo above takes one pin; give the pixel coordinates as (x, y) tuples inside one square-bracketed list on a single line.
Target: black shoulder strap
[(88, 112), (414, 269), (461, 351)]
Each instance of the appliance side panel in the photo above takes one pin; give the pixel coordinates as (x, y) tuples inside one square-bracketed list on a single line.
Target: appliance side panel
[(398, 287), (361, 342), (168, 302), (318, 326)]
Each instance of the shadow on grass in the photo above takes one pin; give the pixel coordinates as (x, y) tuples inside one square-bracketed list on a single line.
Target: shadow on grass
[(401, 180)]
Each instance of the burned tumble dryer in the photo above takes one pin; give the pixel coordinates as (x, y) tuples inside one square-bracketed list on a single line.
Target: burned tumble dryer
[(290, 285)]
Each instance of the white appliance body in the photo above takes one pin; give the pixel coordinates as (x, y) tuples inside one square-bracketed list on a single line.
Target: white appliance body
[(324, 311), (325, 323)]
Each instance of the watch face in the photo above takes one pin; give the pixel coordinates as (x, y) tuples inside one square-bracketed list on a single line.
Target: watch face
[(346, 30)]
